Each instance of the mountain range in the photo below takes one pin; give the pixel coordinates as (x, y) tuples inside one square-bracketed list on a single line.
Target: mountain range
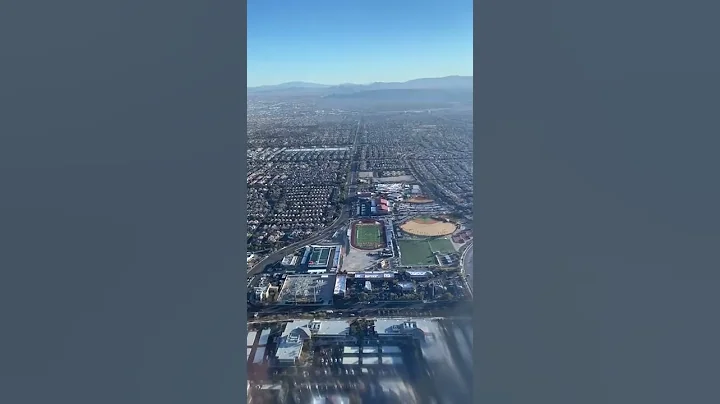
[(425, 93), (439, 83)]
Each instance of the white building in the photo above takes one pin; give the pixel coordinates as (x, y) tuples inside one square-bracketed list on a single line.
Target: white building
[(392, 360), (297, 332), (290, 344), (351, 350), (390, 349), (289, 261), (370, 360)]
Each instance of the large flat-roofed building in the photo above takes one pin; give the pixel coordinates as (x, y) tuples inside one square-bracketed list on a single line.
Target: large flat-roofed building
[(306, 255), (296, 332), (337, 258), (376, 275), (340, 285), (391, 328), (389, 237), (337, 332), (291, 343), (331, 330), (310, 289), (419, 274)]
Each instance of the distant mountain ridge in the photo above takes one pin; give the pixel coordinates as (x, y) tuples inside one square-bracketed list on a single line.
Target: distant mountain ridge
[(288, 85), (439, 83)]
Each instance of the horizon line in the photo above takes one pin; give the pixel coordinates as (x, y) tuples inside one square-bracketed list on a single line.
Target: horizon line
[(357, 84)]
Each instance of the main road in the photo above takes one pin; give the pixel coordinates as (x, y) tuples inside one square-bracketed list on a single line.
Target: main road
[(467, 265), (339, 222)]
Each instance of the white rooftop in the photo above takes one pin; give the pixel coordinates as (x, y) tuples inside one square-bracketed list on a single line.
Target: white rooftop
[(351, 350), (369, 350), (251, 338), (330, 327), (396, 326), (390, 349), (371, 360), (351, 360), (291, 340), (264, 335), (392, 360), (259, 355)]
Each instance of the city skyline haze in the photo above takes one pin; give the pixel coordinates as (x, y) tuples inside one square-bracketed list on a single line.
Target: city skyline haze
[(330, 42)]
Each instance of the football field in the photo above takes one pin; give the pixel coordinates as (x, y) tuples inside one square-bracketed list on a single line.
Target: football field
[(368, 234)]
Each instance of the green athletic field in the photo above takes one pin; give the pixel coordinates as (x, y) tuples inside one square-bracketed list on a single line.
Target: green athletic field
[(442, 245), (415, 252), (368, 235), (420, 252)]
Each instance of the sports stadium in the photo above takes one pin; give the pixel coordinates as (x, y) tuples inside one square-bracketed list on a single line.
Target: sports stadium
[(368, 235)]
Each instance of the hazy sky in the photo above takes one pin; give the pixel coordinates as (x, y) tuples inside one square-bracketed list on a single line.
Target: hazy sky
[(357, 41)]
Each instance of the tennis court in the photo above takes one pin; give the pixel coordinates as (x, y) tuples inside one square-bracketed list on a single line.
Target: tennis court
[(319, 257)]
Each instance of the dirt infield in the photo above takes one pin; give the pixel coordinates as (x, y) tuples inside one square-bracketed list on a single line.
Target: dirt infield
[(423, 226), (419, 199)]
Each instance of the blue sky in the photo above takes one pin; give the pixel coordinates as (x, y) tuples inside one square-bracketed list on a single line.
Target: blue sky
[(357, 41)]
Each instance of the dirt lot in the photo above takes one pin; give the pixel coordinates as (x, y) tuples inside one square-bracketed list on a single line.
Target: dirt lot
[(419, 199)]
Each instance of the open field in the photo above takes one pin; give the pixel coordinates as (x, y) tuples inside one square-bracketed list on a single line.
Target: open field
[(416, 252), (442, 245), (425, 226), (367, 235)]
